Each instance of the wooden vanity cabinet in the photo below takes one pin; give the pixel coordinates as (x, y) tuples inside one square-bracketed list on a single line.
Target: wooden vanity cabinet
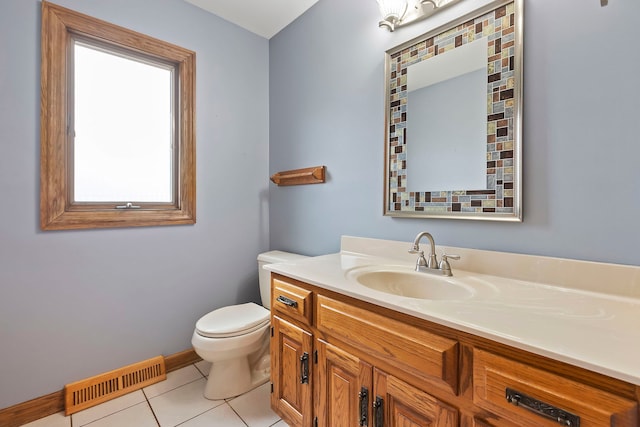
[(336, 362), (351, 392), (344, 386), (407, 406), (291, 349)]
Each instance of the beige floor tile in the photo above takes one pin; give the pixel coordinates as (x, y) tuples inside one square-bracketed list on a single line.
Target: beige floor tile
[(139, 415), (82, 418), (222, 416), (177, 401), (55, 420), (254, 407), (182, 404), (174, 379)]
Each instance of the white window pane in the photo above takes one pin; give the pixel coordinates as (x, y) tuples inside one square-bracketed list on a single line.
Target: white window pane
[(123, 129)]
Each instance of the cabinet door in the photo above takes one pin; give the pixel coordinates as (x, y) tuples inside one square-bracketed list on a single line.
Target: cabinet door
[(398, 404), (291, 372), (343, 388)]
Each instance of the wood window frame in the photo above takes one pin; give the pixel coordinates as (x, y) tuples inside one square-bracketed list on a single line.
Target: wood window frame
[(57, 210)]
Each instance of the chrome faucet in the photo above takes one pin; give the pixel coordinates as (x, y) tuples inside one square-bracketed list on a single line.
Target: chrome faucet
[(431, 265), (422, 264)]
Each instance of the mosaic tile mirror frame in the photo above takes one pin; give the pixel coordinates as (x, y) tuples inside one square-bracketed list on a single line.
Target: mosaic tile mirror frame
[(500, 22)]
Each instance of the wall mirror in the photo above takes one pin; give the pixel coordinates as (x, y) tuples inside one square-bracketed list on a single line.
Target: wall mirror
[(453, 138)]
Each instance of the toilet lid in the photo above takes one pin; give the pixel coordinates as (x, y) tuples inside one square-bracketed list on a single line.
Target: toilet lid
[(233, 320)]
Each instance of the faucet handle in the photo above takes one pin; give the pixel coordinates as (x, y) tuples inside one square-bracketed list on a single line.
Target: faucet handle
[(444, 264), (421, 262)]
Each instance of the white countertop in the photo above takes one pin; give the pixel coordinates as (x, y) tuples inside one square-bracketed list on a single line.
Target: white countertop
[(575, 323)]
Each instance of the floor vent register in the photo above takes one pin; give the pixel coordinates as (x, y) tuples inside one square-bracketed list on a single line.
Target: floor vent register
[(101, 388)]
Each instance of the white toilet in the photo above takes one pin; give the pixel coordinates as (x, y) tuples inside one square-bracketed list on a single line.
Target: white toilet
[(235, 339)]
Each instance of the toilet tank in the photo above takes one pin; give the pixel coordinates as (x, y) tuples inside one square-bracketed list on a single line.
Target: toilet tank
[(271, 257)]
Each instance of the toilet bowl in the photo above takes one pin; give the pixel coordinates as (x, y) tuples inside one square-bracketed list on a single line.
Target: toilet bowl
[(235, 339), (227, 337)]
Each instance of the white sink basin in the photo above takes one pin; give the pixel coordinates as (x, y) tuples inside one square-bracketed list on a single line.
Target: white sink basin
[(408, 283)]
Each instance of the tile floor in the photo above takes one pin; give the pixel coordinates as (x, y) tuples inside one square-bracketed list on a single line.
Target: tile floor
[(177, 401)]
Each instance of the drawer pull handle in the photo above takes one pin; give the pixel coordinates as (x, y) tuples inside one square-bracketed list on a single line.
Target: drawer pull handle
[(378, 409), (304, 368), (364, 405), (287, 301), (562, 417)]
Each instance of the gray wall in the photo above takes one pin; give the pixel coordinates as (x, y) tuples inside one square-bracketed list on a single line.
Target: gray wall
[(581, 131), (78, 303)]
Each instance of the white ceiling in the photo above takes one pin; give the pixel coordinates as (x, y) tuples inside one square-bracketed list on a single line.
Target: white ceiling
[(263, 17)]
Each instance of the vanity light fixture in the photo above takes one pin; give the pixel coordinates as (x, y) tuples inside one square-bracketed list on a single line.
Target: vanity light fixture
[(397, 13)]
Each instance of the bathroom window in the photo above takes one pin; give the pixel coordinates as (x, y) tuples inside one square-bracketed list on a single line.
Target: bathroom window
[(117, 126), (110, 87)]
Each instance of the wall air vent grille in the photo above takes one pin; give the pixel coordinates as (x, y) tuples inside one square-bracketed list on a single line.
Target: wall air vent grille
[(95, 390)]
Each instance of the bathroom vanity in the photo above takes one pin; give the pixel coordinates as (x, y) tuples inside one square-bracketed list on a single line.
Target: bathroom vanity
[(503, 351)]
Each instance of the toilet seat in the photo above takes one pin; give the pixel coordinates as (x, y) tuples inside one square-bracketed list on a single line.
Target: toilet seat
[(233, 321)]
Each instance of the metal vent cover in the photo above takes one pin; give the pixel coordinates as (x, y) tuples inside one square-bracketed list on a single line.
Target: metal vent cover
[(92, 391)]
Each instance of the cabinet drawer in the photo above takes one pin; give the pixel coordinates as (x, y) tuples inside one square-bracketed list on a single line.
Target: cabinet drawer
[(520, 392), (291, 299), (418, 352)]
